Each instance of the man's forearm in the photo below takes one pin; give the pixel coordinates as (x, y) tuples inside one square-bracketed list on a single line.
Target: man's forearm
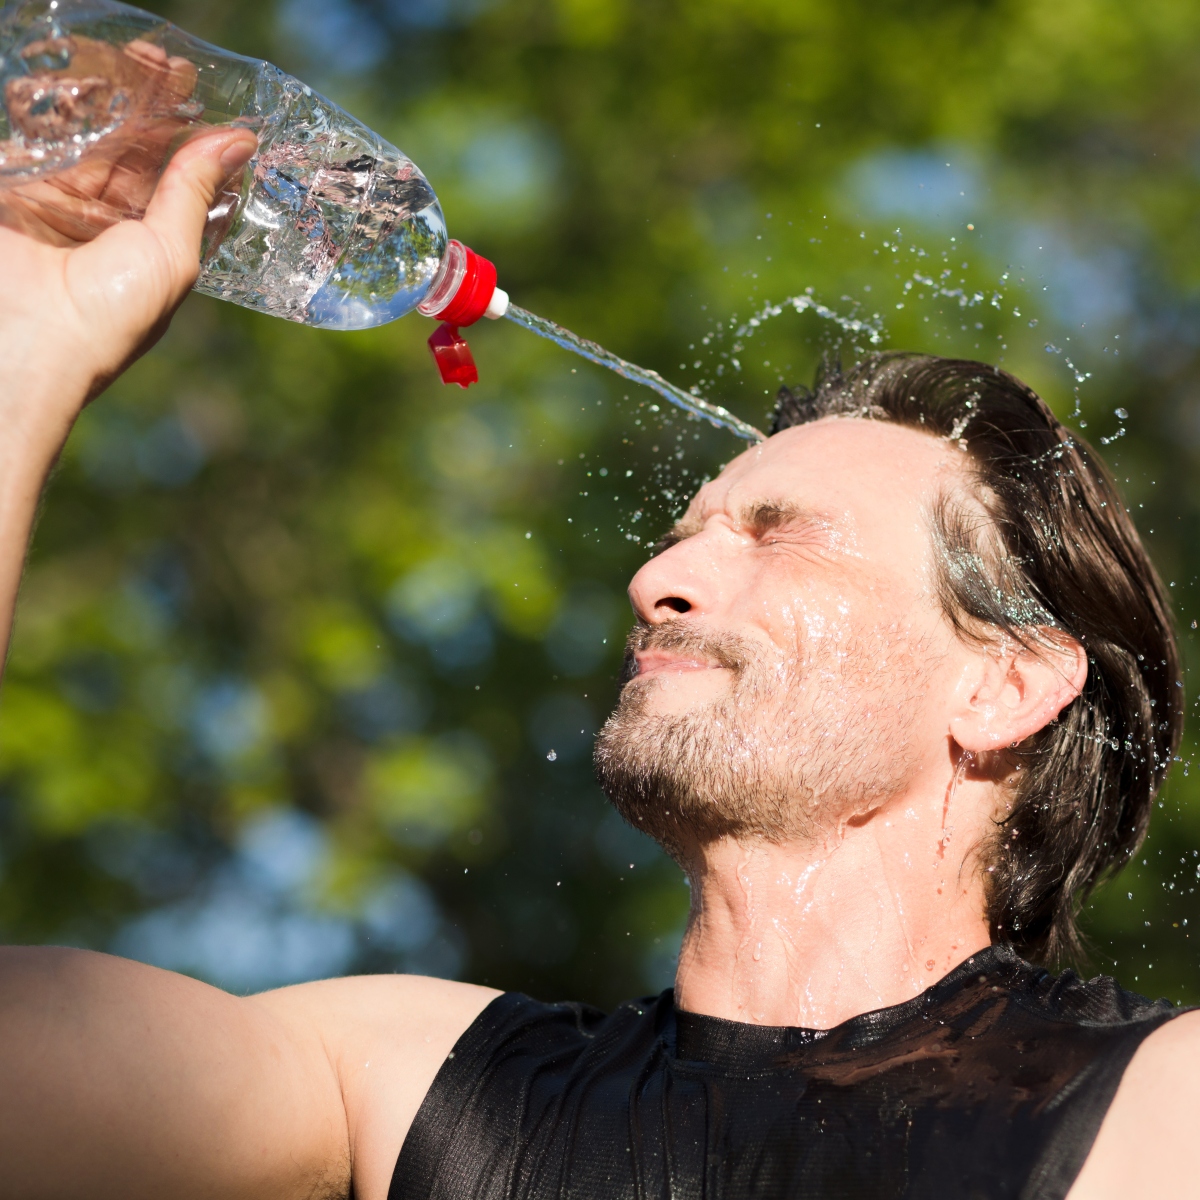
[(72, 319), (40, 394)]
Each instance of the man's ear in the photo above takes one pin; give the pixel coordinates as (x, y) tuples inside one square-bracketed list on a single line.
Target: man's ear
[(1010, 691)]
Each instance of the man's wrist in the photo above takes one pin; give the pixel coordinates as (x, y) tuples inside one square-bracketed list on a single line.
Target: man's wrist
[(43, 388)]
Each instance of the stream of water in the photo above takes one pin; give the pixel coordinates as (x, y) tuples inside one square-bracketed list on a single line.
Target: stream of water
[(919, 286), (696, 405)]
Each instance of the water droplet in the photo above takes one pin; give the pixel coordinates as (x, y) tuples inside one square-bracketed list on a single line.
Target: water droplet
[(1121, 414), (552, 756)]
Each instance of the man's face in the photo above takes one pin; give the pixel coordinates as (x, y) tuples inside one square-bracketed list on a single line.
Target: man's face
[(791, 668)]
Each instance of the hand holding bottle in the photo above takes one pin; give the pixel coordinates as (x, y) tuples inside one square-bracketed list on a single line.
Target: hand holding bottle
[(84, 312), (73, 317)]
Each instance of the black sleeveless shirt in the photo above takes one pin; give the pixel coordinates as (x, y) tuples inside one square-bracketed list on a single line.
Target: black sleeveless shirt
[(992, 1083)]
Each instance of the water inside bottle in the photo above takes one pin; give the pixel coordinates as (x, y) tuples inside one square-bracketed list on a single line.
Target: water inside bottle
[(334, 227), (330, 226)]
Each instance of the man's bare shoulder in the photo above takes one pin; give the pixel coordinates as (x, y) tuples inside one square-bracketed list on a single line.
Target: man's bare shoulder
[(388, 998), (387, 1036), (1147, 1145)]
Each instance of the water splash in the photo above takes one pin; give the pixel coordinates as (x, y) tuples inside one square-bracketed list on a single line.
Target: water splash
[(937, 287), (920, 284), (1122, 415), (696, 405), (1081, 377), (872, 326)]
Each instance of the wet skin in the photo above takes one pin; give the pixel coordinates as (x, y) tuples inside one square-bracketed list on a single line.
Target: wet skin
[(119, 1080), (815, 548), (814, 932), (792, 533)]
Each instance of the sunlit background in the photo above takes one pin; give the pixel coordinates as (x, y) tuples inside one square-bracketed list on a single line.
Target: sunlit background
[(312, 649)]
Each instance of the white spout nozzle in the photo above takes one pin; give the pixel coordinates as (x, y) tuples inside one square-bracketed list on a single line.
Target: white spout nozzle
[(497, 305)]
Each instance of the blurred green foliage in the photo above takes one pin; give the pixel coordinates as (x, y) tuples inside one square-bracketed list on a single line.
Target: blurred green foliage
[(311, 649)]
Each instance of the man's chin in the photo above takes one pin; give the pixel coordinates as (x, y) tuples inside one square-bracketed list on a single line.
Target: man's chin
[(677, 693)]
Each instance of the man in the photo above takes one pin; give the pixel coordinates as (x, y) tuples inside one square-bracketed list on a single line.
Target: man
[(902, 688)]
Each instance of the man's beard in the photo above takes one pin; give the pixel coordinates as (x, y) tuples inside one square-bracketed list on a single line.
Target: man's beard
[(794, 748)]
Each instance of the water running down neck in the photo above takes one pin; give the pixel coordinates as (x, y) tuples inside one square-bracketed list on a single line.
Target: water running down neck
[(627, 370)]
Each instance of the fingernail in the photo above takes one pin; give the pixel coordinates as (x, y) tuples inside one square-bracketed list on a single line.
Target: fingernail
[(236, 155)]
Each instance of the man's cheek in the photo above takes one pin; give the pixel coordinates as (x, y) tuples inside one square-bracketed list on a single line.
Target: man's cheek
[(805, 619)]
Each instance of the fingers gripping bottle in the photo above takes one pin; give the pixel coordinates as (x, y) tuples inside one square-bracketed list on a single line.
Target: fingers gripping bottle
[(328, 225)]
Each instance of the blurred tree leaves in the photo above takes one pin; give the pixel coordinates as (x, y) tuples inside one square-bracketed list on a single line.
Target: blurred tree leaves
[(311, 650)]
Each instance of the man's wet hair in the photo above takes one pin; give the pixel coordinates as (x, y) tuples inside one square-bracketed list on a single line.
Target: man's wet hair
[(1040, 541)]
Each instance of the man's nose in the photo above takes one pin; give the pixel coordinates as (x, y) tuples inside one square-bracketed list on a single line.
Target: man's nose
[(683, 579)]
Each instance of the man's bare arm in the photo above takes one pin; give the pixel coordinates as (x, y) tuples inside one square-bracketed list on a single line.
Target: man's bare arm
[(121, 1080), (73, 317), (116, 1079), (1147, 1147)]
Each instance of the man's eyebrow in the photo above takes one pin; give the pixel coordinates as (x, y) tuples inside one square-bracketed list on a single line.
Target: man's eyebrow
[(764, 515), (758, 517)]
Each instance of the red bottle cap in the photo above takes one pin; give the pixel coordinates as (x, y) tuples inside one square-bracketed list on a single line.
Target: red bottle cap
[(473, 294), (453, 355)]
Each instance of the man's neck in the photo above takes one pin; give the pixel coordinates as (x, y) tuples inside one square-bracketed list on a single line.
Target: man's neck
[(814, 932)]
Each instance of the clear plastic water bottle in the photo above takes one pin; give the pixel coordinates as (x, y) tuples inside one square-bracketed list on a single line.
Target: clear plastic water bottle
[(329, 225)]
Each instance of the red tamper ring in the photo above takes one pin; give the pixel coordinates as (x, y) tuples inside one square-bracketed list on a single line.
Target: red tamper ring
[(453, 356)]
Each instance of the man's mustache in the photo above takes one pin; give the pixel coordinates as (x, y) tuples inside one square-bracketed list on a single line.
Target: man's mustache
[(676, 637)]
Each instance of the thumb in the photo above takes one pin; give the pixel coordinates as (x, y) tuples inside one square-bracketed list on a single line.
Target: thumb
[(178, 210)]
